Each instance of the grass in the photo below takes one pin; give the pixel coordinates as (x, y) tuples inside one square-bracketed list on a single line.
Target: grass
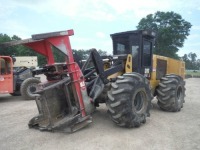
[(193, 73)]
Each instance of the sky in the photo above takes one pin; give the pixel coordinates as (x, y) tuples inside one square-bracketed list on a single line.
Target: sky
[(93, 20)]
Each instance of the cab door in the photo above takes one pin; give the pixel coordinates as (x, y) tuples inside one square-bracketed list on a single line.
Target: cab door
[(6, 75), (147, 57)]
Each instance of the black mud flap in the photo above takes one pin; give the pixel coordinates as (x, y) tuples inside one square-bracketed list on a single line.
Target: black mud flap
[(57, 108)]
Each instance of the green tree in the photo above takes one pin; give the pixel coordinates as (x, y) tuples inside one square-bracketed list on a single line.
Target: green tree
[(191, 63), (4, 38), (19, 50), (198, 64), (171, 31), (192, 56), (7, 51), (84, 54)]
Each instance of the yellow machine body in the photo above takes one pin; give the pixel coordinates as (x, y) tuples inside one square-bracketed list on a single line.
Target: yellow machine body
[(160, 67), (165, 65)]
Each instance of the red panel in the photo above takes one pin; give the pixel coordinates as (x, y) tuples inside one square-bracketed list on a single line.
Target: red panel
[(38, 46), (64, 43), (70, 32), (43, 48)]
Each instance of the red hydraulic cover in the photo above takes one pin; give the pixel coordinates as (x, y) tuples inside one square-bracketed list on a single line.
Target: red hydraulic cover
[(60, 40)]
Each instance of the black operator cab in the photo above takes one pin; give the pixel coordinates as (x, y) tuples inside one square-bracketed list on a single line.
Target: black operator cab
[(139, 44)]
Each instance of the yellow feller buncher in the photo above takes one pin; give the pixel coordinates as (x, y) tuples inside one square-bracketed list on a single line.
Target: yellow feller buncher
[(126, 81)]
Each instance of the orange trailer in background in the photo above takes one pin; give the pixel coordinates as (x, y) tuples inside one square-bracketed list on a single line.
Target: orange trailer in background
[(6, 75), (18, 81)]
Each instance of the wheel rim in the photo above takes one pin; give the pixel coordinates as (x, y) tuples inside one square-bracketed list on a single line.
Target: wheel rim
[(179, 93), (139, 102), (32, 88)]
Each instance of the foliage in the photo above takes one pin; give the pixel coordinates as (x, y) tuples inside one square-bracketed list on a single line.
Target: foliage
[(171, 31), (84, 54), (193, 72), (21, 50), (191, 63)]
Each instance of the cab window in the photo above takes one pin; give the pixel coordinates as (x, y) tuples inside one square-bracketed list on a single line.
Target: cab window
[(121, 45), (5, 66), (146, 53)]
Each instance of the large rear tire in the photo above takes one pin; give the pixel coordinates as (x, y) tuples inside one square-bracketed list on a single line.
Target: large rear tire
[(171, 93), (129, 100), (28, 87)]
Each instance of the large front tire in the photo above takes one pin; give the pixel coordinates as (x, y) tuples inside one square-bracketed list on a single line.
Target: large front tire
[(28, 87), (171, 93), (129, 100)]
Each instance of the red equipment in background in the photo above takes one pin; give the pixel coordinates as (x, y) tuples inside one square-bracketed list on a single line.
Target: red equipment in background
[(6, 75)]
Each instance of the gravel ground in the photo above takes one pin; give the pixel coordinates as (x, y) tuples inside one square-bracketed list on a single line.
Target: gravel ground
[(163, 130)]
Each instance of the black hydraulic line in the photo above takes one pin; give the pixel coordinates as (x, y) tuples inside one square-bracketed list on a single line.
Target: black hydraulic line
[(88, 74), (86, 63), (90, 83)]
